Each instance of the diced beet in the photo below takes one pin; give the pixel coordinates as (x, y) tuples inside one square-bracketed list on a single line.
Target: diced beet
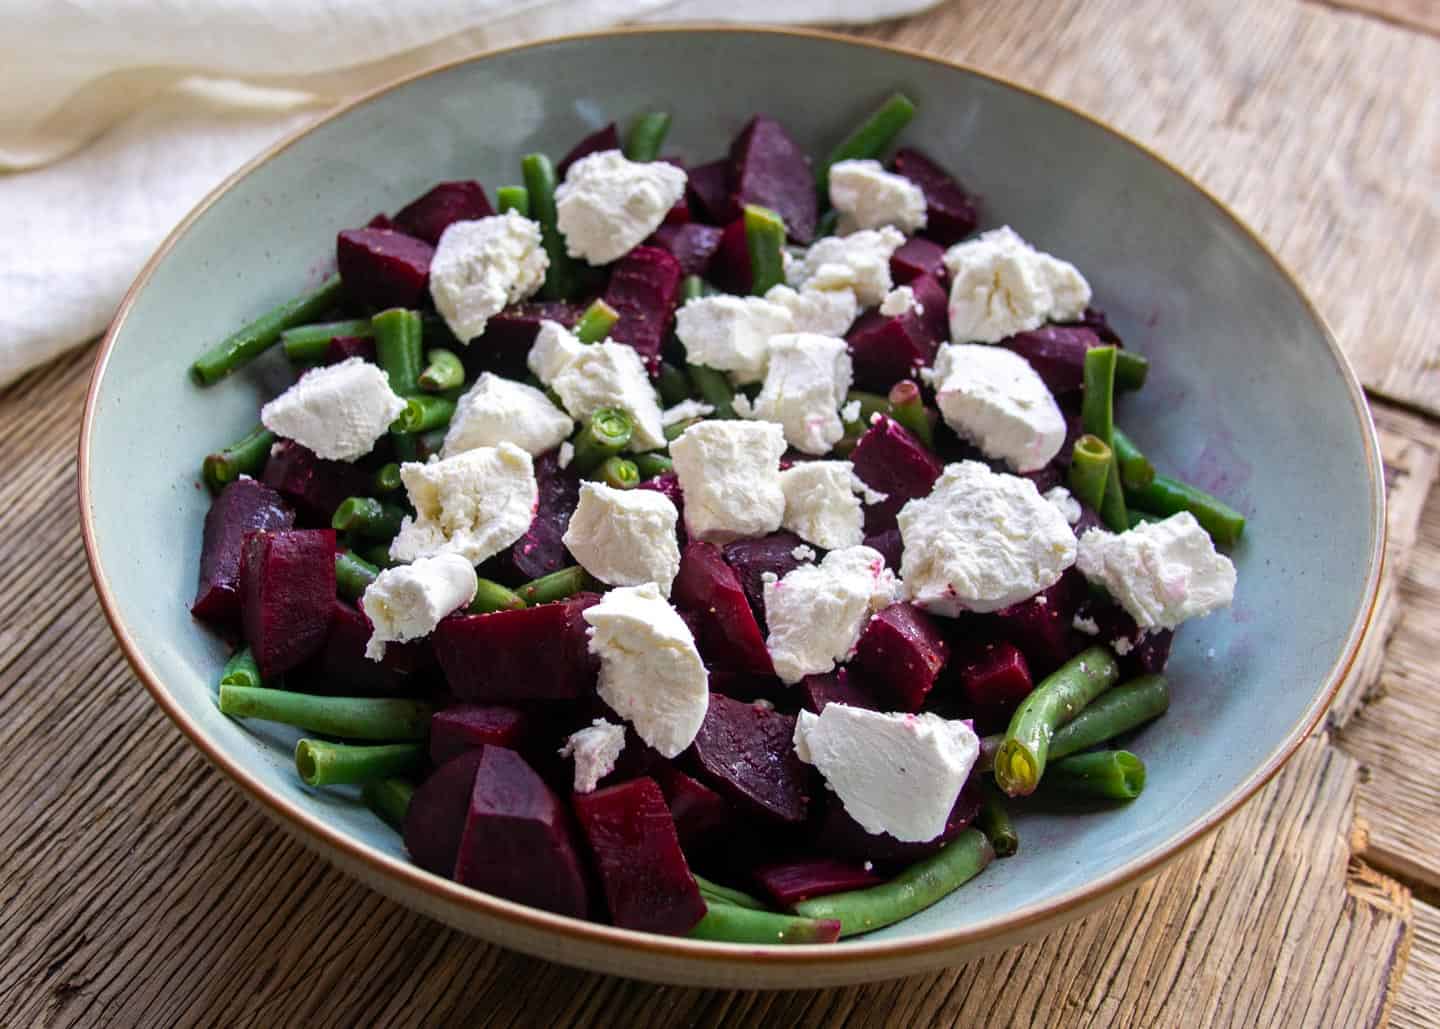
[(644, 287), (287, 590), (435, 820), (935, 305), (1150, 655), (504, 345), (887, 348), (837, 687), (1089, 519), (790, 882), (241, 507), (343, 669), (841, 836), (950, 213), (540, 551), (1041, 626), (536, 653), (708, 191), (752, 558), (915, 257), (607, 138), (384, 268), (380, 221), (1146, 651), (767, 167), (669, 485), (693, 245), (466, 726), (890, 460), (747, 753), (428, 216), (647, 881), (1095, 320), (994, 678), (730, 266), (1056, 352), (700, 813), (314, 485), (679, 213), (708, 588), (517, 842), (890, 546), (901, 653), (342, 348)]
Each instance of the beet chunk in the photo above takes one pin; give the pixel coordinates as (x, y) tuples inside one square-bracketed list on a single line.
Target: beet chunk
[(915, 257), (837, 687), (890, 460), (540, 551), (384, 268), (287, 588), (463, 727), (700, 813), (730, 267), (708, 191), (950, 213), (935, 307), (1096, 321), (536, 653), (767, 167), (606, 138), (1042, 626), (644, 286), (890, 546), (342, 348), (669, 485), (994, 679), (517, 842), (435, 819), (343, 668), (242, 507), (1056, 352), (790, 882), (647, 882), (901, 652), (504, 345), (709, 590), (745, 751), (314, 485), (752, 558), (428, 217), (886, 349), (841, 836), (692, 245), (1146, 651)]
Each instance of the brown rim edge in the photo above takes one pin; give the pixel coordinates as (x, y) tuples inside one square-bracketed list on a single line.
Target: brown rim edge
[(446, 891)]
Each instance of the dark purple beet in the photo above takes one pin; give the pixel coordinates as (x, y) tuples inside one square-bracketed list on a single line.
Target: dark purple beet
[(889, 545), (1042, 625), (837, 687), (918, 256), (540, 551), (647, 881), (314, 485), (463, 727), (994, 679), (1089, 519), (1150, 655), (901, 653), (679, 214), (935, 304), (700, 813), (1056, 352), (428, 216), (287, 591), (435, 820), (342, 348), (746, 752), (644, 287), (890, 460), (537, 653), (950, 213), (708, 191), (709, 590), (241, 507), (752, 558), (841, 836), (669, 485), (517, 842), (1148, 650), (607, 138), (730, 266), (380, 221), (767, 167), (1094, 319), (505, 343), (693, 245), (790, 882), (343, 669), (886, 349), (383, 268)]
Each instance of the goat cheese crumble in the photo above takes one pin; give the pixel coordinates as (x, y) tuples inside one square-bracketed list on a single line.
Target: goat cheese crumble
[(608, 204), (407, 602), (866, 196), (1162, 573), (1001, 285), (992, 397), (339, 412), (595, 750), (498, 410), (624, 537), (474, 504), (817, 612), (481, 266), (729, 472)]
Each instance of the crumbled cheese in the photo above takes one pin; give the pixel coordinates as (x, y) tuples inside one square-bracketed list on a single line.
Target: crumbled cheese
[(554, 350), (625, 537), (894, 773), (1121, 645), (804, 387), (826, 312), (498, 410), (731, 334), (608, 204), (859, 262), (566, 455), (480, 267), (816, 612), (850, 412), (820, 504), (595, 749), (993, 397), (650, 672), (474, 504), (803, 553), (981, 541), (866, 196), (900, 300), (1088, 626), (684, 411), (1065, 503), (1001, 285), (587, 377), (338, 412), (407, 602), (1162, 573), (729, 472)]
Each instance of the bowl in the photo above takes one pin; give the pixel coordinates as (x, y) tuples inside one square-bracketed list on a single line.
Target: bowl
[(1249, 395)]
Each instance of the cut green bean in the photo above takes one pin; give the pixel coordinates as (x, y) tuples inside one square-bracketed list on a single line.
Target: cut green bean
[(994, 821), (596, 322), (540, 186), (443, 371), (423, 412), (254, 339), (714, 388), (827, 224), (725, 895), (672, 384), (1131, 369), (241, 670), (871, 138), (908, 408), (354, 718), (692, 287), (1135, 517), (647, 136), (915, 889), (618, 473), (1116, 711), (513, 198), (652, 463), (367, 517), (378, 555), (1097, 413), (1020, 761), (309, 344), (731, 923), (765, 241), (604, 434), (1098, 775), (387, 478), (321, 763), (245, 456), (353, 575), (1090, 462), (389, 799), (398, 337), (491, 596), (556, 586), (871, 404), (676, 430), (1166, 496), (1135, 468)]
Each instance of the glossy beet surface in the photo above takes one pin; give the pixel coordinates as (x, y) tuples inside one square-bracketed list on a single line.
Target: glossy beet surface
[(746, 752), (540, 551), (644, 287), (915, 257), (701, 815), (462, 727), (993, 678), (950, 213), (837, 687), (708, 191), (428, 216), (341, 667), (693, 245), (901, 654), (839, 835), (753, 558), (342, 348), (505, 343), (886, 349), (537, 653), (788, 883), (241, 507), (708, 590), (287, 590), (1056, 352), (1043, 626), (314, 485), (605, 138), (769, 168), (435, 819), (384, 268), (890, 460)]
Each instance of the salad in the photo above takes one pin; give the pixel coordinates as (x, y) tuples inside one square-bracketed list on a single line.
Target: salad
[(716, 549)]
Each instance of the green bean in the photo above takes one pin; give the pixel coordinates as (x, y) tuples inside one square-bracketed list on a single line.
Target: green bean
[(618, 473), (254, 339), (652, 463), (556, 586), (871, 404), (827, 223), (1127, 706), (1020, 762), (491, 596), (321, 763), (731, 923), (443, 371), (596, 322), (367, 517), (309, 344), (919, 886), (994, 821), (353, 575), (245, 456), (378, 555), (672, 384), (908, 408), (398, 337), (513, 198), (1097, 413), (389, 799), (1136, 518), (871, 138), (675, 431), (387, 478), (647, 136), (1090, 462), (714, 388), (725, 895), (1131, 369), (765, 241), (423, 412), (1166, 496), (604, 434), (1098, 775), (540, 186), (1135, 468), (692, 287), (241, 670), (355, 718)]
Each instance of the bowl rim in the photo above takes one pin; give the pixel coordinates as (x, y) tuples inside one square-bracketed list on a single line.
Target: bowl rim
[(311, 828)]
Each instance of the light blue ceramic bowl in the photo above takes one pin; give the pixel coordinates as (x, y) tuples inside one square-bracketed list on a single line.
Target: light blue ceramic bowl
[(1249, 395)]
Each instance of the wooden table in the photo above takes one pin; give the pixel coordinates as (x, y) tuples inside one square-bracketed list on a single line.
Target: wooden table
[(137, 887)]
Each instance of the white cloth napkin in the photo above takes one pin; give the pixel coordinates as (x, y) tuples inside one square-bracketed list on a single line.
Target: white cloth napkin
[(117, 118)]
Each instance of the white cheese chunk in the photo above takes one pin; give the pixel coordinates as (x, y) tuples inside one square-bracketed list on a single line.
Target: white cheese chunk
[(684, 411), (820, 504), (474, 504), (729, 472), (480, 267), (992, 397), (498, 410), (803, 553), (595, 749), (1162, 573), (1001, 285), (866, 196), (1066, 504), (608, 204), (589, 376), (407, 602), (981, 541), (650, 672), (817, 612), (859, 262), (894, 773), (554, 350), (900, 300), (731, 334), (805, 385), (338, 412), (566, 455), (625, 537), (1088, 626), (825, 312)]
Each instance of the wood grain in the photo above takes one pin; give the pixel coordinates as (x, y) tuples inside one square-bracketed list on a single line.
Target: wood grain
[(1419, 14), (1417, 1001)]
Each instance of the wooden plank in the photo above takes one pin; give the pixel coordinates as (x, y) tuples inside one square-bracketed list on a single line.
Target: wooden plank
[(1415, 14), (1417, 1000)]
